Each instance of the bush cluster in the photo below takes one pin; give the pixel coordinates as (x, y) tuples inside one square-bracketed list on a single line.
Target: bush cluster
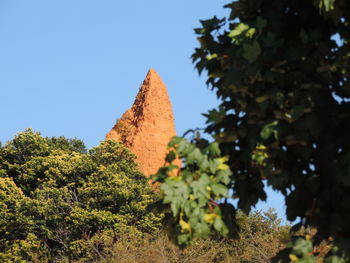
[(55, 196), (62, 203)]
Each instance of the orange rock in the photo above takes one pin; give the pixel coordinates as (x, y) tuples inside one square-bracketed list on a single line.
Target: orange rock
[(147, 127)]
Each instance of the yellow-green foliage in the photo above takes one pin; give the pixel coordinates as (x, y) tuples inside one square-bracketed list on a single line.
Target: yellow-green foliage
[(54, 195), (261, 237)]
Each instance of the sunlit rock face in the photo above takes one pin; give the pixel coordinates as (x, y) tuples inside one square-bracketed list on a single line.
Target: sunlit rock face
[(148, 125)]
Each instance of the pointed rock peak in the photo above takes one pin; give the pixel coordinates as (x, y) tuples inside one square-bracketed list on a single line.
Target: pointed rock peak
[(153, 78), (148, 125), (152, 72)]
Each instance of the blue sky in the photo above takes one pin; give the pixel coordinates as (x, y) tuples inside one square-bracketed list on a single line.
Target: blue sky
[(72, 68)]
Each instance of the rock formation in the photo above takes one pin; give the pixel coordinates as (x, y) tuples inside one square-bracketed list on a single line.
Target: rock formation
[(148, 125)]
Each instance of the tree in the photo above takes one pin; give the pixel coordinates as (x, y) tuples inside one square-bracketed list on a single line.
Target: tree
[(281, 70), (55, 197)]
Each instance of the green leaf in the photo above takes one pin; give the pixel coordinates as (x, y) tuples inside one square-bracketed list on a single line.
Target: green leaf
[(251, 51), (250, 33), (170, 156), (214, 150), (185, 147), (215, 115), (268, 130), (210, 57), (176, 193), (238, 30), (310, 259), (328, 5), (199, 187), (175, 140), (183, 239), (201, 229), (334, 259), (302, 247), (223, 176), (220, 226), (219, 190), (204, 164), (195, 156), (262, 98), (213, 164)]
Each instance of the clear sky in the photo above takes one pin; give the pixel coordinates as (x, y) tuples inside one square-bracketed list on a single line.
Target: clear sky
[(72, 67)]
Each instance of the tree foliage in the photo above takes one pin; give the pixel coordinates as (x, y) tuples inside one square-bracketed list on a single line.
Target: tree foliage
[(55, 195), (62, 203), (260, 239), (281, 70)]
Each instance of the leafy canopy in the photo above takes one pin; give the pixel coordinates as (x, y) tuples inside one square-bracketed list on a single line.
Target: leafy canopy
[(281, 70), (54, 195)]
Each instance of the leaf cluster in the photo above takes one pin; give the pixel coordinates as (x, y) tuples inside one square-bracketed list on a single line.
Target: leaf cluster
[(192, 193), (281, 71), (54, 194)]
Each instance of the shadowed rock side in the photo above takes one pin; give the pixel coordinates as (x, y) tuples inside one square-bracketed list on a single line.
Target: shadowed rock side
[(148, 125)]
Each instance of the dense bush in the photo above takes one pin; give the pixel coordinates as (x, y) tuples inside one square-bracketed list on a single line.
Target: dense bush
[(261, 237), (55, 197)]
